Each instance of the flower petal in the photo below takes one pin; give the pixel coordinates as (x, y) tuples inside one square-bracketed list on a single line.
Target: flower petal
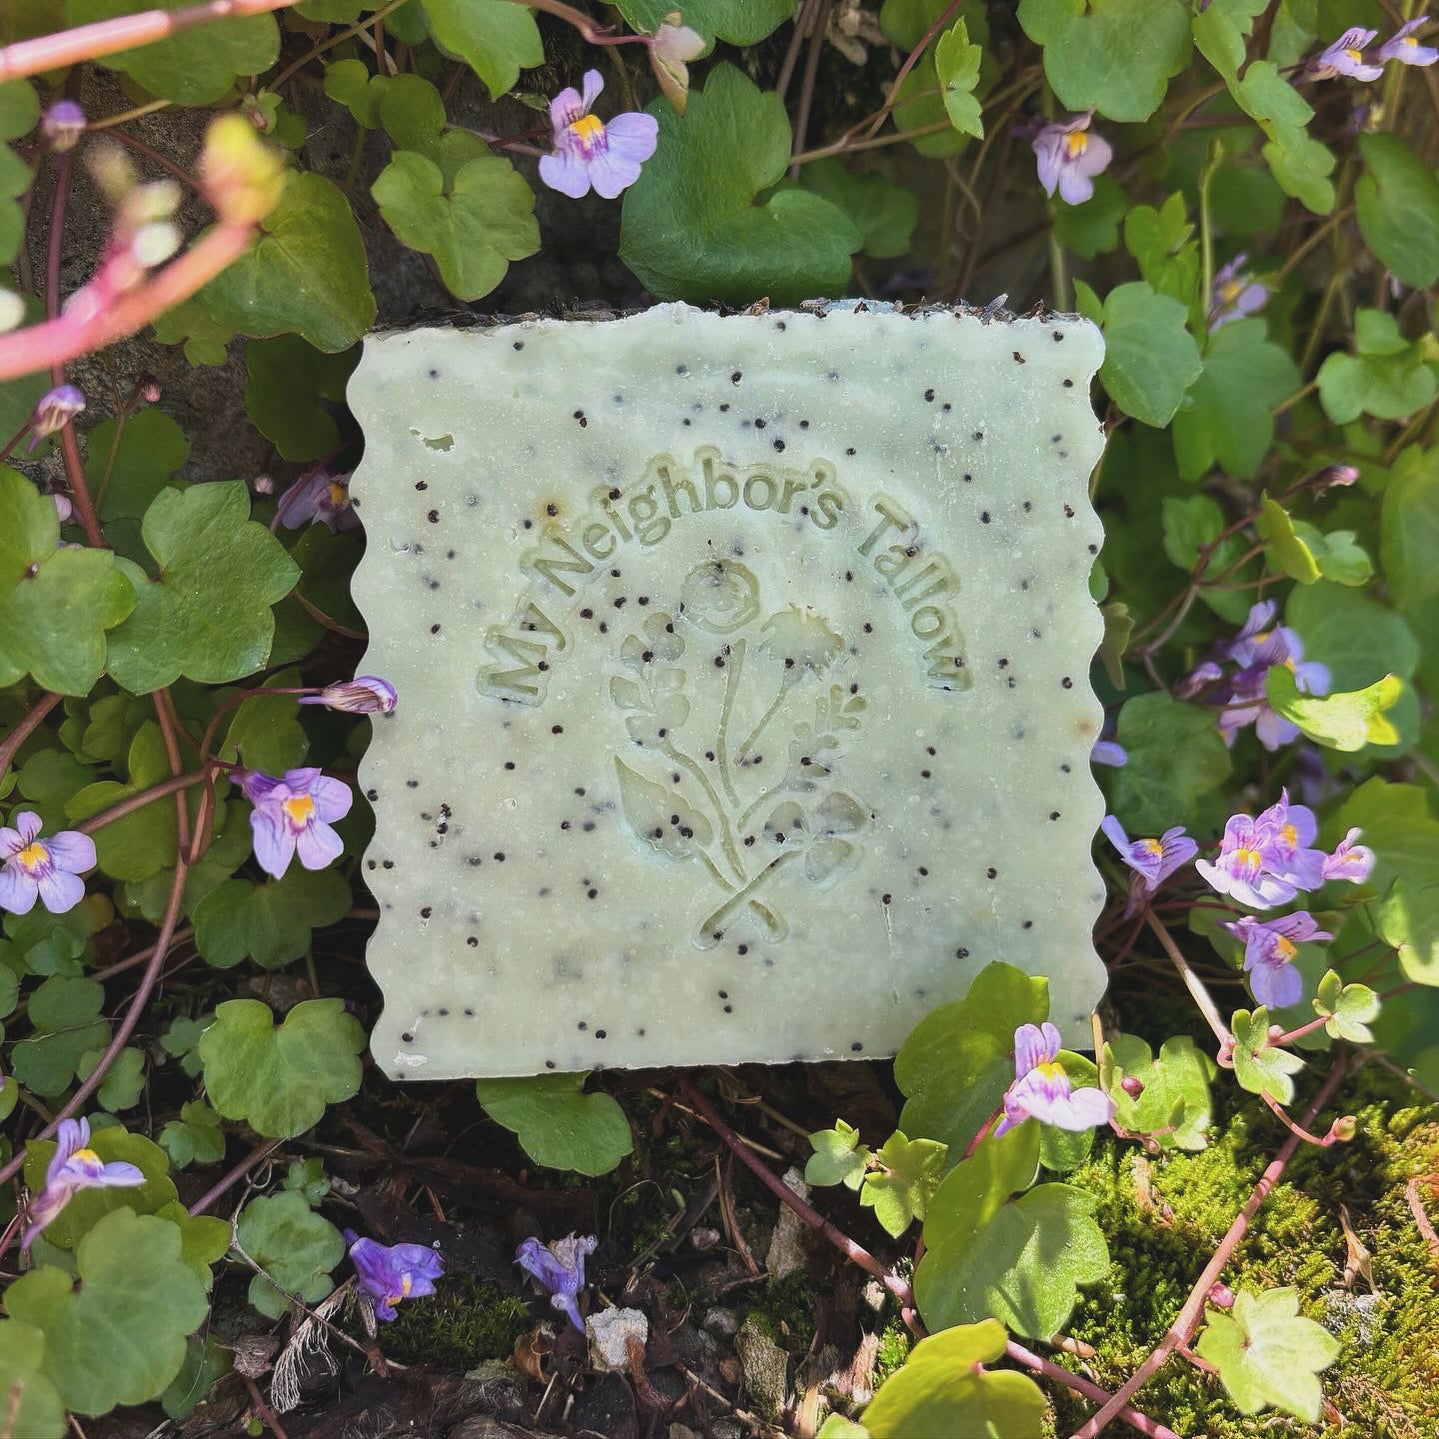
[(274, 843), (566, 173), (318, 845), (71, 850), (17, 891), (60, 891)]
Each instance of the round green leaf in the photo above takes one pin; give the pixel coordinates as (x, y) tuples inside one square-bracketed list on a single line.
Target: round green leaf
[(1397, 198), (126, 473), (287, 381), (493, 37), (119, 1338), (66, 1024), (32, 1407), (1150, 358), (280, 1078), (196, 66), (270, 923), (691, 227), (307, 275), (295, 1246), (556, 1123), (1175, 758), (474, 230), (884, 213), (207, 614)]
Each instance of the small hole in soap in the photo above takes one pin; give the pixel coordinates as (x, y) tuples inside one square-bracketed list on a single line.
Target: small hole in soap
[(499, 856), (473, 943), (601, 1034), (557, 729), (407, 1038), (992, 872), (1067, 683), (961, 953), (735, 378), (984, 517), (1028, 924), (929, 396), (509, 764), (856, 1046), (886, 898), (724, 409), (1054, 814)]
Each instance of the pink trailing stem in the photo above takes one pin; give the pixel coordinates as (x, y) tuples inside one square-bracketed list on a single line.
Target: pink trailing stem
[(108, 37)]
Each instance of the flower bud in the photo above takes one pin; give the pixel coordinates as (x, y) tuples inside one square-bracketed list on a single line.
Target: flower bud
[(263, 485), (62, 126), (63, 508), (671, 47), (1132, 1085), (1335, 477), (56, 409), (1343, 1129), (1220, 1295), (363, 695), (243, 177), (149, 389)]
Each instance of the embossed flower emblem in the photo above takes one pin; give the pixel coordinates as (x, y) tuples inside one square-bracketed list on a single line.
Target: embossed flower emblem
[(660, 642), (720, 596), (799, 636), (820, 834)]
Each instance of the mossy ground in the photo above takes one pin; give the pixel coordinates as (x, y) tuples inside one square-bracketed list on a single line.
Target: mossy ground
[(466, 1323)]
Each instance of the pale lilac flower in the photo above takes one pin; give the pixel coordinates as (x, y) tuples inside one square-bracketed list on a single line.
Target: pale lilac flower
[(318, 495), (48, 870), (1256, 649), (292, 815), (1350, 861), (363, 695), (1069, 157), (1152, 860), (64, 122), (74, 1167), (1346, 57), (1270, 946), (589, 152), (56, 408), (1042, 1090), (1293, 829), (1405, 48), (560, 1269), (1236, 294), (1267, 860), (1106, 751), (389, 1273), (1203, 676)]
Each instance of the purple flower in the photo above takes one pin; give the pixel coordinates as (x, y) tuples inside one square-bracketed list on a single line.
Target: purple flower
[(64, 122), (363, 695), (55, 410), (292, 816), (388, 1273), (590, 153), (1041, 1088), (560, 1269), (1236, 294), (45, 869), (1106, 751), (74, 1167), (1294, 828), (1334, 477), (1152, 860), (1403, 47), (318, 495), (1350, 861), (1266, 860), (1269, 949), (1203, 676), (1346, 57), (1256, 649), (1069, 157)]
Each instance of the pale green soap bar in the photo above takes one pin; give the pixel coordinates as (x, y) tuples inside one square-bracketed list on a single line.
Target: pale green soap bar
[(743, 670)]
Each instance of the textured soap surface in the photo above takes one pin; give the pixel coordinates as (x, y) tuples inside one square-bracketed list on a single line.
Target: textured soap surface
[(743, 666)]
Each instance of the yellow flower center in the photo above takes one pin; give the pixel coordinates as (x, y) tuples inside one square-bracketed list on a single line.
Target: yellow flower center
[(1290, 835), (1249, 857), (300, 809), (1153, 846), (1231, 290), (1052, 1071), (33, 856), (1285, 949), (86, 1156), (1077, 142), (1357, 56), (406, 1284), (339, 495), (1410, 41), (587, 129)]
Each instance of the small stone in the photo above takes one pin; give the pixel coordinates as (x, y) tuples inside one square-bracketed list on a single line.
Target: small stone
[(724, 1322), (682, 1431), (610, 1332), (766, 1369), (786, 1251)]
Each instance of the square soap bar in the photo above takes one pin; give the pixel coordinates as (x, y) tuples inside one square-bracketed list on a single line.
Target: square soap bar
[(743, 670)]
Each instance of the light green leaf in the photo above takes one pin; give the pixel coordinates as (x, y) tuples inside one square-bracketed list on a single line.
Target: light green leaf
[(196, 66), (195, 1137), (1115, 56), (204, 1364), (1287, 552), (1227, 418), (19, 109), (557, 1124), (838, 1427), (1336, 554), (351, 84), (286, 382), (1344, 720), (943, 1391), (1162, 242), (1150, 357), (741, 22), (494, 38), (119, 1338), (129, 465), (55, 604), (958, 1060), (1260, 1067), (1175, 758), (33, 1407), (1267, 1354), (1356, 636), (143, 842), (279, 1078), (473, 231), (15, 180), (909, 1172), (205, 338), (1118, 629), (838, 1158), (1397, 199), (956, 62), (413, 114), (1173, 1106), (691, 228), (266, 733), (208, 613), (308, 274), (989, 1255), (66, 1025), (270, 923), (1388, 378), (884, 213), (295, 1246), (1347, 1008), (1409, 529), (124, 1081)]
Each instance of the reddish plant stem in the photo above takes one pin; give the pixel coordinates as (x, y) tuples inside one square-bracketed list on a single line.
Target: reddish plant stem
[(165, 714), (1192, 982), (913, 58), (257, 1155), (107, 37), (133, 961), (174, 785), (1060, 1375), (126, 1027), (263, 1411), (1188, 1317), (24, 728)]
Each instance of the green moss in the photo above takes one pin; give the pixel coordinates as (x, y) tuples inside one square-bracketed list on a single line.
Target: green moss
[(895, 1342), (1163, 1216), (784, 1311), (464, 1324)]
